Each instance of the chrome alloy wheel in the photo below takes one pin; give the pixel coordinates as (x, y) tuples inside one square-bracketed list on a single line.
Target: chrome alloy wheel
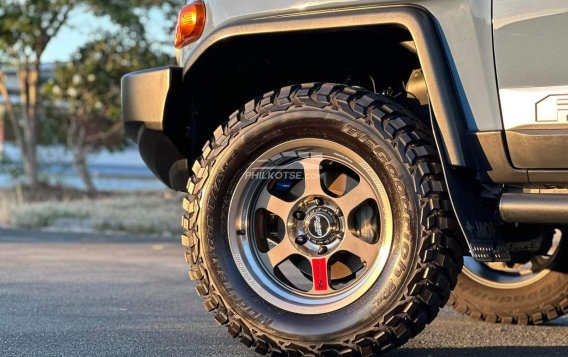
[(310, 226)]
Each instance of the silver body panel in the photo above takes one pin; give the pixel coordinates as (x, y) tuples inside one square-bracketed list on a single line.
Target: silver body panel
[(535, 107), (532, 71), (531, 55), (530, 43)]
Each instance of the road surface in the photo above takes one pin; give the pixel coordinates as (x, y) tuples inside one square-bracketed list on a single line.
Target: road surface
[(64, 294)]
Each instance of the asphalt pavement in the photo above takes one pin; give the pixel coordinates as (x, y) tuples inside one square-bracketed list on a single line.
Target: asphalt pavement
[(70, 294)]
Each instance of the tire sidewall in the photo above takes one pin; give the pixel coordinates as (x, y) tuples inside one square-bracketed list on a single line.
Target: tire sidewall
[(531, 298)]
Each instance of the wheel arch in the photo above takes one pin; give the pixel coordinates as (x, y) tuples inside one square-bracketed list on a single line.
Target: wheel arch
[(250, 57)]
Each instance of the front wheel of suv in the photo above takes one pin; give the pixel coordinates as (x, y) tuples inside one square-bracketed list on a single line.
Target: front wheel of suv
[(318, 223)]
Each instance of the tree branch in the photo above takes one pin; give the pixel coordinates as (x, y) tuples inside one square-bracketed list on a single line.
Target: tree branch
[(50, 31), (10, 110), (104, 135)]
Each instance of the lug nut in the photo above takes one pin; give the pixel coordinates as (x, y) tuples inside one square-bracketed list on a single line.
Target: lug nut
[(299, 215), (301, 239), (322, 250), (318, 201)]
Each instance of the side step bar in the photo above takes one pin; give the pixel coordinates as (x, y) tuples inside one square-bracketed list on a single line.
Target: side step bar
[(534, 208)]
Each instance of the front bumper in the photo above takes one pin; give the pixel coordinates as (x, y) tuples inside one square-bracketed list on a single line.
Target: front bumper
[(149, 104)]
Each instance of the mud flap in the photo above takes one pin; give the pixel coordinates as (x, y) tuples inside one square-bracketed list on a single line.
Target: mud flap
[(477, 220)]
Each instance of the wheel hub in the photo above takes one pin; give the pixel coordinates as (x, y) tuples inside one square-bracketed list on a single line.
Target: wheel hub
[(321, 225), (319, 222)]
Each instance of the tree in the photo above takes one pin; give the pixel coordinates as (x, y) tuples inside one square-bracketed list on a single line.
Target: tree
[(85, 96), (26, 28)]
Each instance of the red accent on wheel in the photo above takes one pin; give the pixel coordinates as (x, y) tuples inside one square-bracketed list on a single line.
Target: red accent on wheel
[(319, 268)]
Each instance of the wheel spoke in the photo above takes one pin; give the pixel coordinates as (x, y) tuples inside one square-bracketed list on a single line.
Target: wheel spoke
[(275, 205), (352, 199), (312, 175), (356, 246), (320, 276), (281, 252)]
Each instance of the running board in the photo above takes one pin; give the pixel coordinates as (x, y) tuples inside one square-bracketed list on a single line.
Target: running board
[(534, 208)]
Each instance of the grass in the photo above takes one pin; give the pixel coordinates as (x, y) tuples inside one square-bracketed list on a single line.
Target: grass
[(141, 213)]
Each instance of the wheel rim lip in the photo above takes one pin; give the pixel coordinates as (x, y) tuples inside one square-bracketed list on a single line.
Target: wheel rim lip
[(274, 291), (484, 275)]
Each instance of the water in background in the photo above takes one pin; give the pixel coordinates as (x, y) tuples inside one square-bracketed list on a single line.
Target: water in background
[(118, 171)]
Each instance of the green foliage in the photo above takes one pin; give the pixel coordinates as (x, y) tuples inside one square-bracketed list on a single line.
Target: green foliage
[(27, 26), (11, 167), (124, 13), (85, 93), (26, 29)]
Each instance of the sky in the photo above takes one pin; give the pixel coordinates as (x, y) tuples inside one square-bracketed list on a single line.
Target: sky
[(75, 34)]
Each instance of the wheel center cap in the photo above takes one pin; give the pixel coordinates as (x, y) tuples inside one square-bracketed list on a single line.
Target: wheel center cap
[(319, 226)]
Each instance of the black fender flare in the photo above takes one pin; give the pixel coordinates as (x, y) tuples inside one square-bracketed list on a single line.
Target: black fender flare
[(419, 23)]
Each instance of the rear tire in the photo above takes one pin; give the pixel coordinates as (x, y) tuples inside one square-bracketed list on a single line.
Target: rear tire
[(424, 257), (533, 301)]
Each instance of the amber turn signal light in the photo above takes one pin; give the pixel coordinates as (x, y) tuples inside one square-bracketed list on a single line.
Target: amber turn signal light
[(190, 24)]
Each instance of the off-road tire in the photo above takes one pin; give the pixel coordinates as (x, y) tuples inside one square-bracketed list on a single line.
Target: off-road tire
[(534, 304), (414, 298)]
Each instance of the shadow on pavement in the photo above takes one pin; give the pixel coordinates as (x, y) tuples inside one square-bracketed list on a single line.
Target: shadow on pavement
[(512, 351), (557, 322)]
